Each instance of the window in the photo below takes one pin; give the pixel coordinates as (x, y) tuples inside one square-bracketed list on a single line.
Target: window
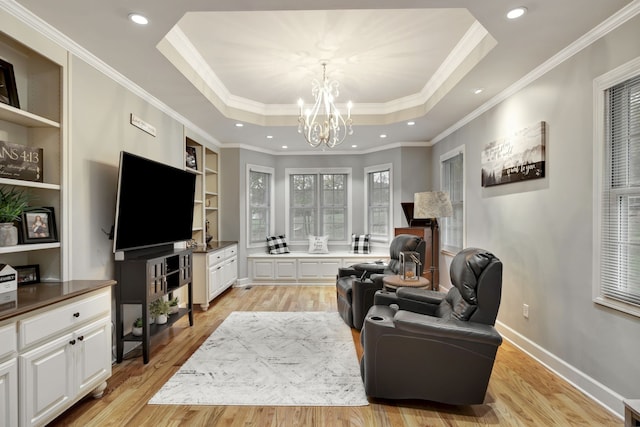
[(378, 197), (318, 204), (452, 182), (617, 209), (259, 204)]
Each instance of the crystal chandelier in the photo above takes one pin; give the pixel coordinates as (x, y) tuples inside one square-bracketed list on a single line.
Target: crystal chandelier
[(323, 124)]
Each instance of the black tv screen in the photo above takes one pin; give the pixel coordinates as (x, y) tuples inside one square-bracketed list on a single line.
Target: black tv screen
[(154, 204)]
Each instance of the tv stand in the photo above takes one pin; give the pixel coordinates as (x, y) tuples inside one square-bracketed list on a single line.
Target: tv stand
[(144, 276)]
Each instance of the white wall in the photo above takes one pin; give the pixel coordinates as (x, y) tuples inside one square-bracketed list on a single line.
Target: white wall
[(542, 229)]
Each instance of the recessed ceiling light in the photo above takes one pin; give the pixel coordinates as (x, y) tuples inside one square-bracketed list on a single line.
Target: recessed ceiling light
[(239, 125), (354, 146), (269, 136), (411, 123), (383, 135), (478, 91), (517, 12), (284, 146), (138, 19)]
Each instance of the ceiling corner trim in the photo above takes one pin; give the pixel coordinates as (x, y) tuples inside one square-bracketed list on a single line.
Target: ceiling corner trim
[(601, 30)]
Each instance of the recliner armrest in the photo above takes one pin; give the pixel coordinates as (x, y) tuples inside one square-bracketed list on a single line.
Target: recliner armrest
[(450, 329), (421, 295), (348, 271)]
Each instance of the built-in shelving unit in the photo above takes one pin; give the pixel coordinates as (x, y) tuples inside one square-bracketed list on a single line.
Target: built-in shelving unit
[(40, 75), (205, 204)]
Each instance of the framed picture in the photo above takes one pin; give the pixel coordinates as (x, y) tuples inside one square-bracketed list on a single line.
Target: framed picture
[(38, 225), (28, 274), (191, 160), (8, 92)]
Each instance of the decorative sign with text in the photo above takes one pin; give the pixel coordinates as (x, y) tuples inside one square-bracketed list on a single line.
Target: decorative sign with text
[(515, 158), (20, 162)]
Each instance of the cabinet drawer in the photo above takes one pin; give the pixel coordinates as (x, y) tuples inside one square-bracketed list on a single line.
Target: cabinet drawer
[(231, 251), (8, 340), (41, 326), (216, 257)]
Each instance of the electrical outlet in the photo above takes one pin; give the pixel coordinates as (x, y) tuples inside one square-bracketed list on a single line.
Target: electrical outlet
[(525, 310)]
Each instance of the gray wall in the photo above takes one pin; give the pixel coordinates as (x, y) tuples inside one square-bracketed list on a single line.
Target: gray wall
[(410, 175), (542, 229), (99, 130)]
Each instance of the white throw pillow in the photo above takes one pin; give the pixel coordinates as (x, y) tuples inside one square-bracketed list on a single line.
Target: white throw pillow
[(318, 244)]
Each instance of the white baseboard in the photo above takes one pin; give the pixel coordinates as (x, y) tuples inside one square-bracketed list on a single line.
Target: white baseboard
[(601, 394)]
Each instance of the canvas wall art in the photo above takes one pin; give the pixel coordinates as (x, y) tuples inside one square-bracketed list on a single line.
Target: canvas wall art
[(518, 157)]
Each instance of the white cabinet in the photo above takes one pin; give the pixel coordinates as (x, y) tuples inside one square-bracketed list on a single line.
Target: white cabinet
[(213, 272), (8, 376), (64, 354), (303, 267), (9, 393)]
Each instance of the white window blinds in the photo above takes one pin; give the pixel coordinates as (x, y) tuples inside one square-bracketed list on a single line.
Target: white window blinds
[(620, 240)]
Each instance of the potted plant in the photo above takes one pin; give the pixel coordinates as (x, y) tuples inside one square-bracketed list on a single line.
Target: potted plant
[(173, 306), (160, 310), (137, 327), (12, 204)]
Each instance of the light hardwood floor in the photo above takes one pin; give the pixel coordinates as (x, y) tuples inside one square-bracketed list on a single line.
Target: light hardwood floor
[(521, 392)]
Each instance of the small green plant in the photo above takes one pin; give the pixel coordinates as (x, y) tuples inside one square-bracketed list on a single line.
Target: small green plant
[(12, 204), (173, 302), (138, 323), (158, 307)]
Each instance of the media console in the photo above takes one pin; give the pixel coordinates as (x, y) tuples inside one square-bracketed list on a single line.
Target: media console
[(144, 276)]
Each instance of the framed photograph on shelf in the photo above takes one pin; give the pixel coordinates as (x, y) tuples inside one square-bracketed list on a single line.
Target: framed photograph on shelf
[(28, 274), (8, 92), (38, 225), (191, 159)]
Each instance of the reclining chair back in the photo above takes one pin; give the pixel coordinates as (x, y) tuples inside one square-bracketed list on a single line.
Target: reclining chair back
[(402, 243), (476, 276)]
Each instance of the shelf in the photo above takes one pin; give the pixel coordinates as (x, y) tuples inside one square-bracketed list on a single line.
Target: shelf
[(197, 202), (211, 209), (25, 118), (30, 247), (211, 171), (155, 328), (210, 193), (193, 171), (29, 184)]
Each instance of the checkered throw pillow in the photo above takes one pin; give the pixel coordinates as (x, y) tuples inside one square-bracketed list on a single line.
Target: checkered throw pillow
[(360, 243), (277, 245)]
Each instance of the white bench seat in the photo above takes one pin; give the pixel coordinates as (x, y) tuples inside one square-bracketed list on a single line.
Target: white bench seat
[(303, 267)]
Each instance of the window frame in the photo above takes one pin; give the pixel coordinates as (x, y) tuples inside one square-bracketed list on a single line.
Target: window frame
[(271, 225), (445, 222), (601, 85), (373, 169), (318, 171)]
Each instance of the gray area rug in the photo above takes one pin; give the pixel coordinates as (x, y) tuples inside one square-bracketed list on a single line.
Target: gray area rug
[(271, 359)]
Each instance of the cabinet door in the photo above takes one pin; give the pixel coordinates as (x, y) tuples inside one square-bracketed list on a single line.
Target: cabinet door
[(9, 393), (93, 355), (286, 269), (230, 271), (46, 381), (215, 280), (263, 269)]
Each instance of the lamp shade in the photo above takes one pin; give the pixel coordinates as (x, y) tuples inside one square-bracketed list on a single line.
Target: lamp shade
[(432, 204)]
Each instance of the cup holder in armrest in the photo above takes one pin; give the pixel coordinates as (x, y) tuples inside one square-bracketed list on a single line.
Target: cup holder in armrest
[(376, 318)]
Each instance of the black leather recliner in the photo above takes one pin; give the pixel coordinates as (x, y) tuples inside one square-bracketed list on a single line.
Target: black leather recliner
[(421, 344), (357, 285)]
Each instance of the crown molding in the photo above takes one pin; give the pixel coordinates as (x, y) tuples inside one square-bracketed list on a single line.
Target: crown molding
[(601, 30), (41, 26)]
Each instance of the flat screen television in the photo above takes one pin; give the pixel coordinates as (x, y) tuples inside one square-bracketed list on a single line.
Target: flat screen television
[(154, 204)]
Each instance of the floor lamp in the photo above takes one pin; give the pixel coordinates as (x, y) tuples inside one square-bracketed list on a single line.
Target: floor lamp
[(432, 205)]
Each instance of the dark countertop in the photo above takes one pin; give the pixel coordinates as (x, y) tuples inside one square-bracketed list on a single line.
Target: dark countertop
[(31, 297), (214, 246)]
